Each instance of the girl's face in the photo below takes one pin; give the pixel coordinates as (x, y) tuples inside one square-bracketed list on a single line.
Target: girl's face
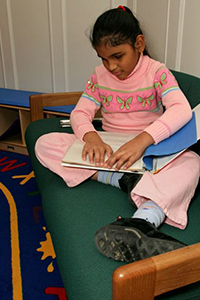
[(119, 60)]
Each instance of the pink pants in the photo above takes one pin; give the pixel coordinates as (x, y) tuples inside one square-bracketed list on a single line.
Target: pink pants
[(172, 188)]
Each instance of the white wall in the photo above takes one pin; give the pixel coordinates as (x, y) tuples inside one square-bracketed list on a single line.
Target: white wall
[(44, 47), (172, 31)]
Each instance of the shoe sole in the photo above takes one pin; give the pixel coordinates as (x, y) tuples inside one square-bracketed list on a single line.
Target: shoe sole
[(129, 244)]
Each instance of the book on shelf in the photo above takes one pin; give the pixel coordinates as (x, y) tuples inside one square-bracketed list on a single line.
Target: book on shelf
[(155, 158)]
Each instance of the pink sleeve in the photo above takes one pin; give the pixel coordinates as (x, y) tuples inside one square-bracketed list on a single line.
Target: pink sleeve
[(177, 109), (84, 112)]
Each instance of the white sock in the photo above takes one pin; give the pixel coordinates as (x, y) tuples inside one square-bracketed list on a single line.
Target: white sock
[(150, 212), (111, 178)]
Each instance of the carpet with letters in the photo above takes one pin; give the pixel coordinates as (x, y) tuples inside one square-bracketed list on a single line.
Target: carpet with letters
[(28, 267)]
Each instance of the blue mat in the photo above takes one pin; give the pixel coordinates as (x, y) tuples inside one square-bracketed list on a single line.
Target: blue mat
[(180, 140), (21, 98)]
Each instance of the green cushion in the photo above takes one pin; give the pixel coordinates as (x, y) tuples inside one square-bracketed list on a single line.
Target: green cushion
[(73, 215), (190, 86)]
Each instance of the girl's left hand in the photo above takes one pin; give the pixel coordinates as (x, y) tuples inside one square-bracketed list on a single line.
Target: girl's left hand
[(127, 154)]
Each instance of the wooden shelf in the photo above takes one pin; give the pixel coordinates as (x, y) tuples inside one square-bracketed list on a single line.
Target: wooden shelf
[(10, 114), (13, 121), (13, 147)]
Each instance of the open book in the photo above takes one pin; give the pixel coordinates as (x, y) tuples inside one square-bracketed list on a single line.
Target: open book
[(155, 158)]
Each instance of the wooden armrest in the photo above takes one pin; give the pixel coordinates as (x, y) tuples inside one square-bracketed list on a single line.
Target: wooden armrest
[(37, 102), (145, 279)]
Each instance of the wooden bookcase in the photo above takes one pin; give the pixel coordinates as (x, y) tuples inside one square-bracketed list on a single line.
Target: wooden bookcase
[(8, 115)]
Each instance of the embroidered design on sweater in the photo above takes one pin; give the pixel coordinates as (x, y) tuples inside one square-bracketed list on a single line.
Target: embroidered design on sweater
[(92, 85), (162, 81), (124, 103), (106, 100), (145, 101)]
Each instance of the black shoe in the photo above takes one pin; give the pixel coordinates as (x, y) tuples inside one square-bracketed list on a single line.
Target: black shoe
[(131, 240), (128, 182)]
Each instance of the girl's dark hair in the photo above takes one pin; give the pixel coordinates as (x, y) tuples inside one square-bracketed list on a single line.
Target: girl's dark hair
[(115, 27)]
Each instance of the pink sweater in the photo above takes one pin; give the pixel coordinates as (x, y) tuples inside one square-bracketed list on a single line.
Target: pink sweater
[(135, 104)]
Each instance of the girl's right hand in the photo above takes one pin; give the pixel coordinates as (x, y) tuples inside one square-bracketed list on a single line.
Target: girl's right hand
[(95, 149)]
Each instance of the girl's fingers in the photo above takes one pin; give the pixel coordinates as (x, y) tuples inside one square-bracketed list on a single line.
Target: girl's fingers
[(129, 163), (102, 152), (84, 154), (122, 162), (91, 156), (112, 160), (109, 153), (88, 152), (96, 154)]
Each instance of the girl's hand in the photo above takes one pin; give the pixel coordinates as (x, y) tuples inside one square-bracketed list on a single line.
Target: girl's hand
[(95, 148), (127, 154)]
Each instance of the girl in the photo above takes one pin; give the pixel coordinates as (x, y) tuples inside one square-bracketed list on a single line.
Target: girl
[(133, 90)]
